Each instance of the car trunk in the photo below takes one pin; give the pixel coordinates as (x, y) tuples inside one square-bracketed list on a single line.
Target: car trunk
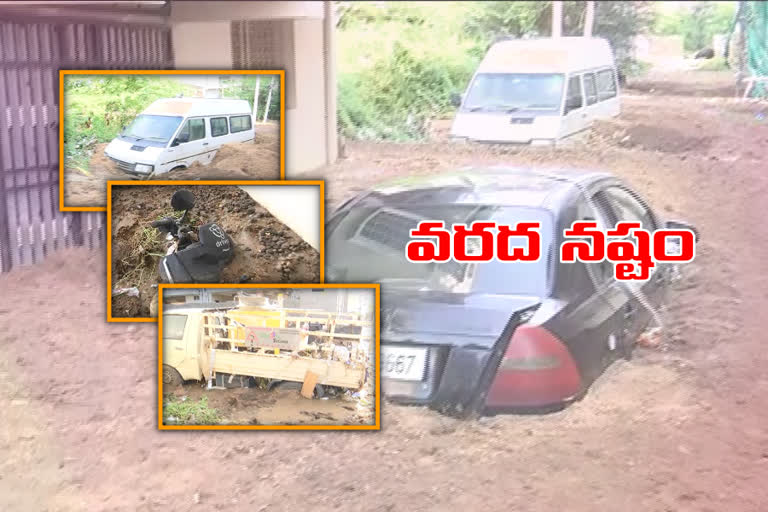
[(442, 348)]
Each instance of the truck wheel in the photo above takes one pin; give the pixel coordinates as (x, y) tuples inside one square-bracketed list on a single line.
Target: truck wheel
[(287, 384), (171, 377)]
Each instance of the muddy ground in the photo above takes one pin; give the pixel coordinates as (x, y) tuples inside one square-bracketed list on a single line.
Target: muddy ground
[(257, 161), (254, 406), (679, 428), (266, 250)]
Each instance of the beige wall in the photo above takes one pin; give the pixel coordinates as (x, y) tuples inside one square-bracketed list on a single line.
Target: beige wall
[(202, 45), (245, 10), (305, 125), (202, 40)]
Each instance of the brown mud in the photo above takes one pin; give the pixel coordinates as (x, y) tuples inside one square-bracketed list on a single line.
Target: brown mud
[(266, 250)]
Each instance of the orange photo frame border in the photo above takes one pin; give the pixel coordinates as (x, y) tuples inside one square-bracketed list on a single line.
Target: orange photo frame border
[(377, 352), (64, 72), (266, 183)]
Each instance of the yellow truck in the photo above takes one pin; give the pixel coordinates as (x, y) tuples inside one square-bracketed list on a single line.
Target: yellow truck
[(226, 347)]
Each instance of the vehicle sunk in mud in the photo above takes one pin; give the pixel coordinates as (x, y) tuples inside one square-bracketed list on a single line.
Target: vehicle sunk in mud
[(538, 91), (494, 336), (174, 133), (226, 346)]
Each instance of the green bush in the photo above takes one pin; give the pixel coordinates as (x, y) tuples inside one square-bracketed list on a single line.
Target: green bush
[(394, 97)]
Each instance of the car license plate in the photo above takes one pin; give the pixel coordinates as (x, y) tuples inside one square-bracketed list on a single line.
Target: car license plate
[(403, 363)]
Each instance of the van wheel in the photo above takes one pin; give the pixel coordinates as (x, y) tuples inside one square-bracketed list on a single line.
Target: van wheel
[(178, 168), (171, 377)]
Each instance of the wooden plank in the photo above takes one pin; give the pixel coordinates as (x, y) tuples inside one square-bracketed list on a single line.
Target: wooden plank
[(310, 381)]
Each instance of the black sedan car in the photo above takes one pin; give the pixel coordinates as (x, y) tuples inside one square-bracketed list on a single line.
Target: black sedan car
[(480, 337)]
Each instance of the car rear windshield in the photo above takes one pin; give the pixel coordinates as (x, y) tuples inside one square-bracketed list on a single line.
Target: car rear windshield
[(515, 91), (368, 244), (154, 128)]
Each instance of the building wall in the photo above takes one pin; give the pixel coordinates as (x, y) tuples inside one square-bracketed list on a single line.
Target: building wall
[(202, 40), (202, 45)]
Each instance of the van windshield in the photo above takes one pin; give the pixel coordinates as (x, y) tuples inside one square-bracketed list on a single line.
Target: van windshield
[(509, 92), (154, 128)]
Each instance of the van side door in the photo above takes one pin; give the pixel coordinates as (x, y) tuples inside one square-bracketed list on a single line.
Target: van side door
[(574, 114), (193, 144)]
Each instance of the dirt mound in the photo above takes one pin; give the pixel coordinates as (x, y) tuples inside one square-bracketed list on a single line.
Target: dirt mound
[(257, 161), (265, 249), (648, 137)]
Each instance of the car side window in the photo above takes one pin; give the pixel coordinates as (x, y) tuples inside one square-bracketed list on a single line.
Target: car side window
[(239, 123), (606, 84), (219, 126), (589, 88), (574, 97), (627, 207), (586, 211), (193, 129)]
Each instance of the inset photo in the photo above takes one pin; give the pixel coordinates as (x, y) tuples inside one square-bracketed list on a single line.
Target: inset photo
[(269, 357), (208, 232), (166, 125)]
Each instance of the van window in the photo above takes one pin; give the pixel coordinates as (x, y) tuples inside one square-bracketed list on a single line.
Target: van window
[(195, 128), (218, 126), (173, 326), (499, 92), (239, 123), (606, 84), (574, 98), (151, 127), (589, 88)]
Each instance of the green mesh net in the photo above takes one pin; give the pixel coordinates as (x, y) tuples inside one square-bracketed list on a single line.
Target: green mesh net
[(756, 18)]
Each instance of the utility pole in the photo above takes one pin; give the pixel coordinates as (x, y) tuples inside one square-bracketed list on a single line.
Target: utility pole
[(269, 99), (557, 18), (589, 19), (256, 97)]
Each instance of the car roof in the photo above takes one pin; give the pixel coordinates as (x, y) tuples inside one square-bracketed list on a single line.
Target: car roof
[(191, 107), (500, 185)]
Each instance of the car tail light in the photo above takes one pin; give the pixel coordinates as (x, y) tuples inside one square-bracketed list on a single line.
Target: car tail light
[(536, 370)]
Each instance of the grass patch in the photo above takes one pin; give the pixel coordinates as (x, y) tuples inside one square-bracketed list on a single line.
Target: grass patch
[(186, 412)]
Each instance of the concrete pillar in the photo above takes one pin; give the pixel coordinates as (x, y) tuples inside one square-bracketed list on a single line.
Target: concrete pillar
[(329, 50)]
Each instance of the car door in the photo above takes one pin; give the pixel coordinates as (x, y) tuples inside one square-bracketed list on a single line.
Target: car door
[(574, 114), (192, 143), (623, 204), (592, 325)]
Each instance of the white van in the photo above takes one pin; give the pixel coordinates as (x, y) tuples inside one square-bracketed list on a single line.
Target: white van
[(538, 91), (174, 133)]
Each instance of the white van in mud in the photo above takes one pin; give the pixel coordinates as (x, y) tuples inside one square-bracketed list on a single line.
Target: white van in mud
[(538, 91), (174, 133)]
